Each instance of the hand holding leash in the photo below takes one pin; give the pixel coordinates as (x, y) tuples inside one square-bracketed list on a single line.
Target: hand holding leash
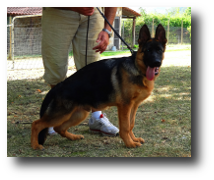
[(103, 39), (131, 50)]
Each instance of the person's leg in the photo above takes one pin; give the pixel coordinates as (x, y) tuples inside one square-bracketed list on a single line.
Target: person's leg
[(58, 30)]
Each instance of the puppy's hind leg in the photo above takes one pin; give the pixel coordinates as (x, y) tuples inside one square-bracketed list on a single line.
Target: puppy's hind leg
[(43, 123), (36, 128), (76, 118)]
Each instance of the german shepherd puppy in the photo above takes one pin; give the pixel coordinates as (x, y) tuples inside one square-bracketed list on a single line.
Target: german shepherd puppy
[(122, 82)]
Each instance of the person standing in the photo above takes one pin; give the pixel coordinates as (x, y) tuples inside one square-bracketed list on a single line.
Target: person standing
[(62, 26)]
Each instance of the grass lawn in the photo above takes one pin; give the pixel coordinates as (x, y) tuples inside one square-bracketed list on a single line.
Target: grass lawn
[(163, 120), (170, 48)]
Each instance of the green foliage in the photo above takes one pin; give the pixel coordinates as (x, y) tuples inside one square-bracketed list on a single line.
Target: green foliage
[(175, 20), (174, 17), (188, 11)]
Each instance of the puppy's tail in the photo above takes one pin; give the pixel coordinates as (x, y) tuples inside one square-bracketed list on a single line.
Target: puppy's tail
[(42, 136)]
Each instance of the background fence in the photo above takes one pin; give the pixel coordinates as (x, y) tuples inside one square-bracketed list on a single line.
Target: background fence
[(175, 35), (24, 33)]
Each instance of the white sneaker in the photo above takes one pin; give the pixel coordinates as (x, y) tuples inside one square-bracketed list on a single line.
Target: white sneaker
[(51, 131), (103, 126)]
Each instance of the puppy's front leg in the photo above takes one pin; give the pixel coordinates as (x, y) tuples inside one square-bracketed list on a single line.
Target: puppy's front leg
[(124, 125)]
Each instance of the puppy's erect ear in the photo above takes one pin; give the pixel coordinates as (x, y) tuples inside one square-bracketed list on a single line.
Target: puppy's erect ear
[(160, 34), (144, 35)]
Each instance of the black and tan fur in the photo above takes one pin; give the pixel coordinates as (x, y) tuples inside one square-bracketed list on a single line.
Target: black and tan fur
[(122, 82)]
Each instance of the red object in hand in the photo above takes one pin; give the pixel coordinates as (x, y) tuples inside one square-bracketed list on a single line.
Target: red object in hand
[(101, 116)]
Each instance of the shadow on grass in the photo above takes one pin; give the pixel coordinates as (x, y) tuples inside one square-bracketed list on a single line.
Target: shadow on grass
[(163, 120)]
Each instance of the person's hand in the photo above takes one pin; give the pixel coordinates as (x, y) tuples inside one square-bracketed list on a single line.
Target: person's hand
[(103, 40), (87, 11)]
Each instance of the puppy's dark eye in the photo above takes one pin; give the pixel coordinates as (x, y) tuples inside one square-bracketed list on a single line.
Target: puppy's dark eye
[(146, 50)]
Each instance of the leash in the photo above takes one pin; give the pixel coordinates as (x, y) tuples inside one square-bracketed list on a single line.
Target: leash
[(86, 49), (132, 51)]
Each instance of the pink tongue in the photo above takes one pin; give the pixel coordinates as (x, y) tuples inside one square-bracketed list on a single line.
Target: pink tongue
[(150, 73)]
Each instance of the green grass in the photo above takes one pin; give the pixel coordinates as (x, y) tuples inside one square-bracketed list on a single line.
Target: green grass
[(163, 120), (114, 53)]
